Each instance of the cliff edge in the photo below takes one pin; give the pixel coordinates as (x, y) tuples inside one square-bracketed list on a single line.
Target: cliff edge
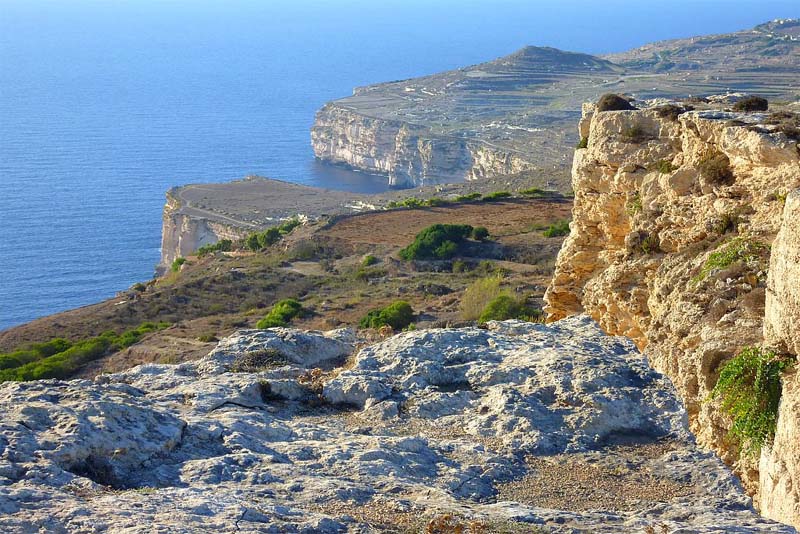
[(673, 244)]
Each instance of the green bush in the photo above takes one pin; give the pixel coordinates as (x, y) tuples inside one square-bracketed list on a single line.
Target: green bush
[(558, 229), (261, 240), (634, 205), (496, 196), (176, 265), (749, 387), (440, 241), (612, 102), (583, 143), (535, 192), (398, 315), (459, 266), (751, 103), (211, 337), (739, 249), (281, 314), (410, 202), (478, 295), (223, 245), (59, 358), (468, 197), (504, 307), (480, 233), (435, 201), (368, 260)]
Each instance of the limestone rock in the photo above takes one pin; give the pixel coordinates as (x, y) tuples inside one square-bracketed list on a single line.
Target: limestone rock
[(458, 425), (653, 202)]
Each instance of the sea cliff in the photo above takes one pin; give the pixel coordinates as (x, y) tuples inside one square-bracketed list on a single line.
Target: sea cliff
[(673, 244)]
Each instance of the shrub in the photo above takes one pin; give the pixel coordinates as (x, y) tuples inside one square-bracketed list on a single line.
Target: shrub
[(496, 196), (435, 201), (504, 307), (366, 273), (398, 315), (634, 134), (139, 287), (224, 245), (557, 229), (785, 122), (468, 197), (368, 260), (749, 387), (459, 266), (440, 241), (739, 249), (281, 314), (664, 166), (410, 202), (59, 358), (650, 244), (751, 103), (583, 143), (612, 102), (672, 111), (480, 233), (715, 167), (477, 296), (176, 265), (728, 222), (634, 205), (536, 192), (208, 338), (261, 240)]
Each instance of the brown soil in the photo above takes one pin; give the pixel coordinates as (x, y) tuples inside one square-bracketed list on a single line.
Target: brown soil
[(320, 264)]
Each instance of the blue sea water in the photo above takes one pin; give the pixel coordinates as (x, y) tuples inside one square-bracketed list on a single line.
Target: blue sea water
[(104, 105)]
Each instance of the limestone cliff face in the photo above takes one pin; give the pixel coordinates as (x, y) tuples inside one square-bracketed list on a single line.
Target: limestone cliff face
[(655, 198), (182, 234), (410, 155), (780, 465)]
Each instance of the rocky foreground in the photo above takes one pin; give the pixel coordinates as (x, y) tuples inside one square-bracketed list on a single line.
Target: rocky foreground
[(518, 428)]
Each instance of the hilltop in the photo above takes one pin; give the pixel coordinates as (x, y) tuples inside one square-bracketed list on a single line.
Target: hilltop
[(515, 114)]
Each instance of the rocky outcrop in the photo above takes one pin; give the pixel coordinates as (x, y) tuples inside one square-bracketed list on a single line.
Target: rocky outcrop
[(183, 233), (669, 245), (410, 155), (518, 428), (780, 464)]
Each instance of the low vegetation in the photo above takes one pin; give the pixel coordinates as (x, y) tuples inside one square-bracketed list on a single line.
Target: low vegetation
[(261, 240), (223, 245), (60, 358), (557, 229), (440, 241), (478, 295), (398, 315), (504, 307), (715, 168), (634, 204), (176, 265), (613, 102), (751, 103), (496, 196), (583, 143), (281, 314), (785, 122), (634, 134), (368, 260), (749, 388), (664, 166), (739, 249), (672, 111)]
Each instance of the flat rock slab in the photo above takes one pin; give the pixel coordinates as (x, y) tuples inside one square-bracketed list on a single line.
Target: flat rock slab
[(516, 428)]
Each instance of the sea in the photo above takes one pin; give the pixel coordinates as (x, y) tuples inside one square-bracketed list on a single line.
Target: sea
[(106, 104)]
